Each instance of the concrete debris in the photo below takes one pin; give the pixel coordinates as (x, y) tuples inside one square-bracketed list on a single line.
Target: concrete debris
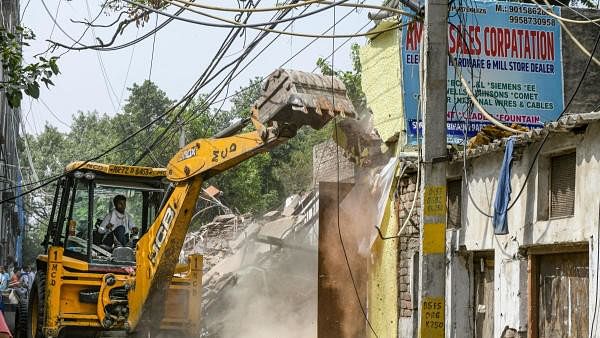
[(271, 214), (278, 228), (212, 191), (291, 204), (224, 218), (243, 250)]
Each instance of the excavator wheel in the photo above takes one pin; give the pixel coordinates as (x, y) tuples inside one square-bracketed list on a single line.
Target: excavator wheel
[(37, 305), (21, 319)]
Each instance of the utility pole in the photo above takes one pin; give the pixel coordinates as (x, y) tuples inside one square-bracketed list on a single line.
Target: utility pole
[(432, 267)]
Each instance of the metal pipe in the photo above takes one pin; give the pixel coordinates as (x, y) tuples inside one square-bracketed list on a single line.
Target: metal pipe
[(232, 129), (90, 219)]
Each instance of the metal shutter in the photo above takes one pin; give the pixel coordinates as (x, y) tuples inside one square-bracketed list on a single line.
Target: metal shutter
[(562, 185), (454, 203)]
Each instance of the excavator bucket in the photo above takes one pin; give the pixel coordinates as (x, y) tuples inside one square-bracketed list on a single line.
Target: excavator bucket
[(291, 97)]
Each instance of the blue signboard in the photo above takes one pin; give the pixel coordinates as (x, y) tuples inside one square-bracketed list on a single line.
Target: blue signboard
[(509, 53)]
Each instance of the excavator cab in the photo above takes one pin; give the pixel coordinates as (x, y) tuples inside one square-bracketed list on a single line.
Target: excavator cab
[(77, 248), (84, 198)]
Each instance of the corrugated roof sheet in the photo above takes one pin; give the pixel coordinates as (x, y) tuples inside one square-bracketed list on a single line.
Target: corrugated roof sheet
[(565, 124)]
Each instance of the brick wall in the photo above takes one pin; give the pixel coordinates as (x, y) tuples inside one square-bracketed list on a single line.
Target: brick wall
[(409, 242), (325, 159)]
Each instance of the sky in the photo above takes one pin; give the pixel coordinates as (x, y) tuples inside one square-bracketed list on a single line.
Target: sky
[(98, 81)]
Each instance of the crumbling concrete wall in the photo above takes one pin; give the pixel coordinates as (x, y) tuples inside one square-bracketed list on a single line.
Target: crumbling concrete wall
[(325, 164)]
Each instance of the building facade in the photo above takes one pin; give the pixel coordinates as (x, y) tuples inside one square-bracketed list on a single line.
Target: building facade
[(10, 177)]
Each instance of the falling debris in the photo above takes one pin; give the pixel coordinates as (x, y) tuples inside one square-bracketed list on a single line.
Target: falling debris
[(266, 266)]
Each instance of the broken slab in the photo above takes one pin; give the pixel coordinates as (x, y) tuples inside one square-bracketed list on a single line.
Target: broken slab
[(224, 218), (278, 227), (271, 214)]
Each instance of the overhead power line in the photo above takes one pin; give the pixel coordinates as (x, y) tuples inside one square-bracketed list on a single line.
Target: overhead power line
[(202, 81), (259, 26), (338, 199), (544, 140), (302, 4)]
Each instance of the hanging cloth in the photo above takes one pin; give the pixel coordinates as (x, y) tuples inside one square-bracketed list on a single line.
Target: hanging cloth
[(503, 192)]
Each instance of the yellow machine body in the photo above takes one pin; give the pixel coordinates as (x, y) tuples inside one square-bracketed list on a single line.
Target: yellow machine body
[(151, 292)]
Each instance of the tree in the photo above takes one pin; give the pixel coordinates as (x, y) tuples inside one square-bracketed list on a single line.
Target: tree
[(256, 185), (19, 77)]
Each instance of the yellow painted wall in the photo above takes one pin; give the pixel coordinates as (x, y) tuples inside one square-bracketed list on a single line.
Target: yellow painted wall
[(382, 283), (381, 82)]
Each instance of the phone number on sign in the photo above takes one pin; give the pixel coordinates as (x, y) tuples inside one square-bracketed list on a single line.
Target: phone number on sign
[(527, 20), (529, 10)]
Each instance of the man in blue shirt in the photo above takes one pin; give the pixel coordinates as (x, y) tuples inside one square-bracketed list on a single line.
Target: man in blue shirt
[(4, 278)]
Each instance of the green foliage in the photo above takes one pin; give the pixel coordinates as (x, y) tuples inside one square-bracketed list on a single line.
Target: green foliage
[(31, 244), (256, 185), (20, 78)]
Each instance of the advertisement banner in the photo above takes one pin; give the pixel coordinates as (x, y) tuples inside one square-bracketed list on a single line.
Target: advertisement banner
[(509, 53)]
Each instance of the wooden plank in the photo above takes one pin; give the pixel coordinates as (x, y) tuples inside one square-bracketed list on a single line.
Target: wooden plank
[(484, 295), (532, 291), (558, 248), (563, 295)]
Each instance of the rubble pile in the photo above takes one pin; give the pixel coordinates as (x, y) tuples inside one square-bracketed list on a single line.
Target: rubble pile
[(251, 258), (211, 240)]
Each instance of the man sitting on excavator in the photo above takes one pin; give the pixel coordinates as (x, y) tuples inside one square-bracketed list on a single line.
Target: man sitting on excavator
[(117, 224)]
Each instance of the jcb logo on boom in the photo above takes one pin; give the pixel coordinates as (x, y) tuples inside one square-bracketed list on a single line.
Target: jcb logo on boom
[(161, 235)]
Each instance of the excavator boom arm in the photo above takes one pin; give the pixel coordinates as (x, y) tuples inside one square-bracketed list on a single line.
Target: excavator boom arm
[(289, 100)]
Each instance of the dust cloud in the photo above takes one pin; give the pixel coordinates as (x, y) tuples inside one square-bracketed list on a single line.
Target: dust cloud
[(273, 296)]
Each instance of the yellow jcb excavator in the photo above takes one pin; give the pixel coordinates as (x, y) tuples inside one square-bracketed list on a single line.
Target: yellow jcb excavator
[(83, 287)]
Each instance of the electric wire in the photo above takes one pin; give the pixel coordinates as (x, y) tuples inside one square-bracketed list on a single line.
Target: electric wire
[(244, 89), (468, 112), (112, 95), (337, 154), (289, 59), (202, 81), (585, 71), (258, 26), (305, 35), (237, 24), (90, 24), (24, 10), (126, 76), (560, 18), (544, 140), (578, 43), (281, 65), (105, 47), (54, 114), (212, 97), (304, 3), (55, 21), (148, 149), (47, 181)]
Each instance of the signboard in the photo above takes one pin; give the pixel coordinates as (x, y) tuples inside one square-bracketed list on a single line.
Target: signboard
[(509, 53)]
